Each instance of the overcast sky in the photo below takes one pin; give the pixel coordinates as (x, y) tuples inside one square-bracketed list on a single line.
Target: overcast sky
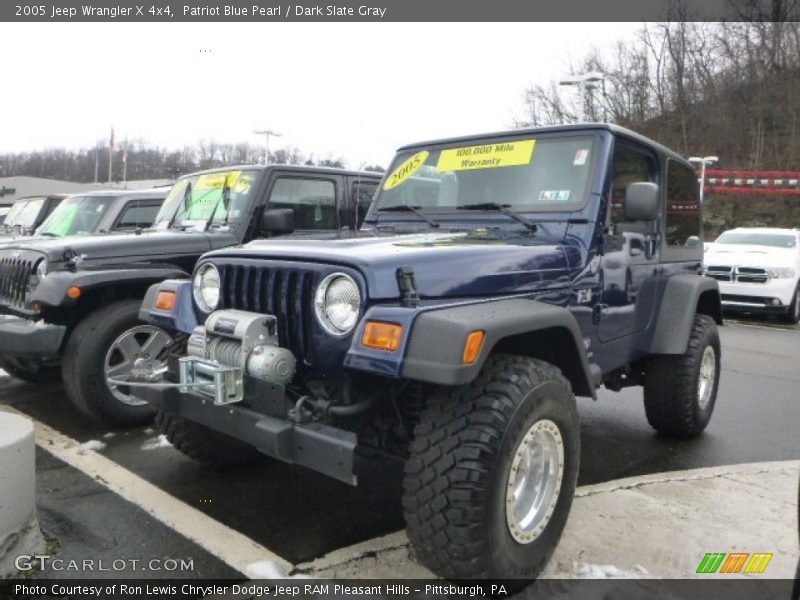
[(351, 90)]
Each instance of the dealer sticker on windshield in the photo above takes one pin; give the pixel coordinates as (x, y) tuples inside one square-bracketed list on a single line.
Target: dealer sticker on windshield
[(215, 181), (406, 170), (487, 156)]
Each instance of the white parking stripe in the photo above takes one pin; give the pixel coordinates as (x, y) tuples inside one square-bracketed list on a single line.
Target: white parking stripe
[(237, 550)]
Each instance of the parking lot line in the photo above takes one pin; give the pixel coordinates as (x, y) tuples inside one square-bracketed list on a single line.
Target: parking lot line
[(236, 550)]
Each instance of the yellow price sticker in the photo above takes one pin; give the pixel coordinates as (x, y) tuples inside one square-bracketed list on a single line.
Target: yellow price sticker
[(406, 170), (215, 181), (487, 156)]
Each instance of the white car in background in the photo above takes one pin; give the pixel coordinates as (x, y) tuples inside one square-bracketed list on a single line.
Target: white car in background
[(758, 269)]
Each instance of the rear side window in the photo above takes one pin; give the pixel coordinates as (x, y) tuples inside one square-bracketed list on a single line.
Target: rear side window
[(630, 165), (137, 214), (683, 216), (363, 192), (313, 201)]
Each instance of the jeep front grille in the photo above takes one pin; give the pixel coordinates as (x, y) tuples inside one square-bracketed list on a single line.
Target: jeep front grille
[(285, 293), (14, 274)]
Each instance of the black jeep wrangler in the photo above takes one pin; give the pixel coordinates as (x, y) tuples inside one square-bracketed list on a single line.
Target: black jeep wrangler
[(76, 295), (496, 278)]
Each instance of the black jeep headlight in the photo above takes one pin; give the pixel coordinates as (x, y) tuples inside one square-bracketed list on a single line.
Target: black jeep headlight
[(35, 278), (337, 303), (205, 287), (41, 269)]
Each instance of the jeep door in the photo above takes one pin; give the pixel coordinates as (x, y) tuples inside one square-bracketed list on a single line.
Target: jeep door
[(628, 267)]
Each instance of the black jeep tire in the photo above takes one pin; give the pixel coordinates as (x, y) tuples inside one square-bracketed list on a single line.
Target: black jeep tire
[(674, 401), (792, 315), (30, 370), (83, 365), (459, 465), (204, 445)]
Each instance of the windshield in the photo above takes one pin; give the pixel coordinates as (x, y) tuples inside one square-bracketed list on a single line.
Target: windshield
[(545, 174), (193, 200), (76, 215), (23, 213), (774, 240)]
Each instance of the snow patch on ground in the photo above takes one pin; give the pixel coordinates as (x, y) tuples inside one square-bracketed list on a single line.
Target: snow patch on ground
[(4, 375), (157, 442), (609, 572), (149, 431), (109, 435), (93, 445), (266, 569)]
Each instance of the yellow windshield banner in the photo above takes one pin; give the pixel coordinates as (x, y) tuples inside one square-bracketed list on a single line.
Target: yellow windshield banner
[(487, 156), (215, 181), (406, 170)]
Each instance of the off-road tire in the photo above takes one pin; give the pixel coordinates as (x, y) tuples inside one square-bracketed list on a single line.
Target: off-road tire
[(457, 472), (30, 370), (792, 315), (671, 382), (204, 445), (83, 365)]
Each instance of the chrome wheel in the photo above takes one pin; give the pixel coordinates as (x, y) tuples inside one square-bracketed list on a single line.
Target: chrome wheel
[(143, 343), (706, 378), (534, 481)]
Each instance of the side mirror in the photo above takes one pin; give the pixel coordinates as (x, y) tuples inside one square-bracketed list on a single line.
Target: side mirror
[(276, 221), (642, 201)]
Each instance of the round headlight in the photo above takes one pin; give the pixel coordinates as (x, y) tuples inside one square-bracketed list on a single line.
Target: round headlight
[(41, 269), (337, 303), (206, 287)]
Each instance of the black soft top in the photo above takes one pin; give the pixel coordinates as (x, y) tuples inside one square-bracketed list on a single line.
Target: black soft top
[(290, 168)]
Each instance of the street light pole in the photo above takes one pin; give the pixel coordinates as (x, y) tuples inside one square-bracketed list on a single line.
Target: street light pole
[(705, 160), (266, 133), (588, 82)]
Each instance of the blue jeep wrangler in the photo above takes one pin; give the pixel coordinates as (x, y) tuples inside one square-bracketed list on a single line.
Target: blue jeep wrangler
[(496, 278)]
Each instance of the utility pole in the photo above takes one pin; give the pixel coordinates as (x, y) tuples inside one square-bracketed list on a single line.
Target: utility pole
[(110, 154), (266, 133)]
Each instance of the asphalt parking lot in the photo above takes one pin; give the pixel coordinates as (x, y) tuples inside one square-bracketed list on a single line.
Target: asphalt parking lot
[(299, 516)]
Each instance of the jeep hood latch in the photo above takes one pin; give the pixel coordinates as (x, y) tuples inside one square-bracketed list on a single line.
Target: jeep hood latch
[(409, 296)]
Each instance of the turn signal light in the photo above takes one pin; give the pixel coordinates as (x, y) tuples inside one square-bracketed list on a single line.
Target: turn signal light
[(165, 300), (73, 292), (473, 346), (382, 336)]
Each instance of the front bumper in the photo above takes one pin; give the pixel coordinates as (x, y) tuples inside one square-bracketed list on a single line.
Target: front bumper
[(30, 339), (773, 297), (261, 420)]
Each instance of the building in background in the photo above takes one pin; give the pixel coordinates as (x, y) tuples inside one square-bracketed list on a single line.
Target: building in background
[(13, 188)]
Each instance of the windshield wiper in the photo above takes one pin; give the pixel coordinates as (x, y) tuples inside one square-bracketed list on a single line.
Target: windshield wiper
[(187, 194), (225, 198), (502, 208), (48, 234), (411, 209)]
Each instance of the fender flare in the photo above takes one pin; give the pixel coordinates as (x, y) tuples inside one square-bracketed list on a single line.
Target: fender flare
[(52, 291), (436, 343), (685, 295)]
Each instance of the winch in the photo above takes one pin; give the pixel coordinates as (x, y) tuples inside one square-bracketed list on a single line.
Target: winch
[(232, 343)]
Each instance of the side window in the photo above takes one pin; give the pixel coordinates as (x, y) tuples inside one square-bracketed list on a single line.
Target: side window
[(362, 195), (313, 201), (137, 214), (630, 166), (683, 219)]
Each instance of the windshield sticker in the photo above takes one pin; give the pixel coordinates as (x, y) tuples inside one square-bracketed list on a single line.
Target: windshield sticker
[(487, 156), (215, 181), (406, 170), (549, 196), (64, 224), (580, 157)]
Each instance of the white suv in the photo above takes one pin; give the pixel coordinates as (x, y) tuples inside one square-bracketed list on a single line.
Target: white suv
[(758, 270)]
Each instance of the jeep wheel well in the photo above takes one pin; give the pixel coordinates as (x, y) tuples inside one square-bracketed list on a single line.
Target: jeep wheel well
[(555, 345), (94, 298), (709, 304)]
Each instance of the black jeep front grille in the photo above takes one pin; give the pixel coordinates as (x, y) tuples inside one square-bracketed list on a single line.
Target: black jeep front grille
[(285, 293), (14, 273)]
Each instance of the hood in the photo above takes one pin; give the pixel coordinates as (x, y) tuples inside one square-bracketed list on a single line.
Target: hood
[(444, 264), (748, 255), (125, 245)]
